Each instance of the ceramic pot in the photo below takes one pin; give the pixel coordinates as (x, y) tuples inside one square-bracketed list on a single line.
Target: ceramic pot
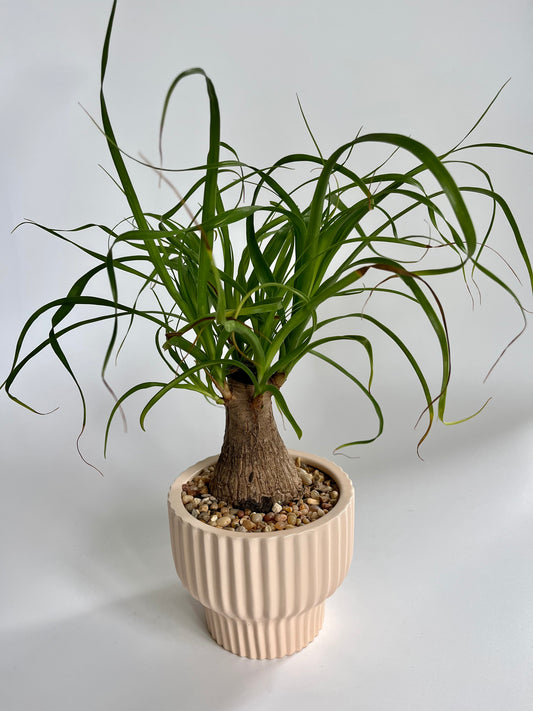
[(264, 593)]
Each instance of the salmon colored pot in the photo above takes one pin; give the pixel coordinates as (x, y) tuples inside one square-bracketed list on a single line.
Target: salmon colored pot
[(264, 593)]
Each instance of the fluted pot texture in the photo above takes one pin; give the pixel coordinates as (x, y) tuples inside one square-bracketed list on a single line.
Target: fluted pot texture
[(264, 593)]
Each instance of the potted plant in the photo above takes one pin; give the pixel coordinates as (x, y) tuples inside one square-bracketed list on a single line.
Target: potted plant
[(238, 289)]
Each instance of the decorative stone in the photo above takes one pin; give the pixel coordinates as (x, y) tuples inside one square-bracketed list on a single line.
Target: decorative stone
[(306, 478), (319, 497)]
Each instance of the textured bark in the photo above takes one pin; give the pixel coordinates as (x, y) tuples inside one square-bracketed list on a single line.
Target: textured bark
[(254, 469)]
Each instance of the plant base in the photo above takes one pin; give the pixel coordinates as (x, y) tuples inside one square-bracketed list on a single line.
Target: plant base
[(264, 592), (265, 639)]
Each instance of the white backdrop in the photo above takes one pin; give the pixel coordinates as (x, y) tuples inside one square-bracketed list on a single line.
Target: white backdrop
[(435, 612)]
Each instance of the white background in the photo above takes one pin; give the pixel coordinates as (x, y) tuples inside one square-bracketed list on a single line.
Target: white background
[(436, 612)]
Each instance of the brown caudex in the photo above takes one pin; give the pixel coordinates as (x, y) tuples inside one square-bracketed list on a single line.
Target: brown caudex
[(254, 469)]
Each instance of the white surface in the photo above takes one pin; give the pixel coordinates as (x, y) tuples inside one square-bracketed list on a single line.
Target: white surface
[(436, 612)]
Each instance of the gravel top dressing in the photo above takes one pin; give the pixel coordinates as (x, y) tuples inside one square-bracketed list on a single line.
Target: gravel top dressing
[(320, 494)]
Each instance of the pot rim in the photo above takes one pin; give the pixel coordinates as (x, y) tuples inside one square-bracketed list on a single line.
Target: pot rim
[(343, 481)]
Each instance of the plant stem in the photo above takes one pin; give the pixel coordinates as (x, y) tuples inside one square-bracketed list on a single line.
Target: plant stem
[(254, 469)]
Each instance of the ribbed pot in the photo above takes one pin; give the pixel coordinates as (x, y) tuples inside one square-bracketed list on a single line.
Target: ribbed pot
[(264, 593)]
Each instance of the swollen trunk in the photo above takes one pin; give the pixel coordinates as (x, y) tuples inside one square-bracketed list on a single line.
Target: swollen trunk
[(254, 469)]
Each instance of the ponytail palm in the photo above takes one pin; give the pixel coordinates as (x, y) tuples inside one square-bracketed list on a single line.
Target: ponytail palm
[(240, 284)]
